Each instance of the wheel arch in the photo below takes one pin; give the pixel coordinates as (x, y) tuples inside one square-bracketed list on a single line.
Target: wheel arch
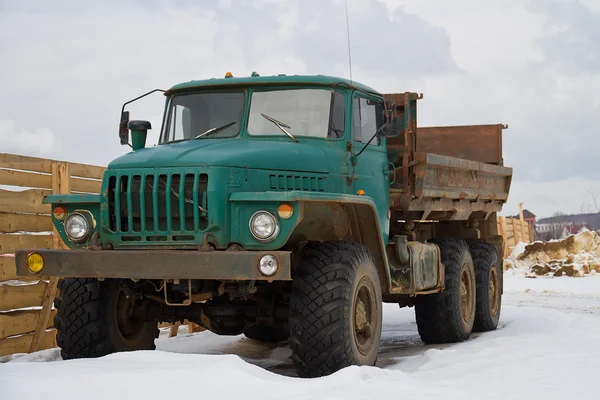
[(347, 219)]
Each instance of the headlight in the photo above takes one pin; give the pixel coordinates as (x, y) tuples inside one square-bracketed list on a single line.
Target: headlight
[(78, 227), (264, 226)]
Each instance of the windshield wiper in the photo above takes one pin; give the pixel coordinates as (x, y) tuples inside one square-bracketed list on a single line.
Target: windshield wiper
[(281, 126), (213, 130)]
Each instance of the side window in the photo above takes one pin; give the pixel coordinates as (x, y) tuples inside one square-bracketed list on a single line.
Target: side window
[(364, 120), (180, 123), (337, 125)]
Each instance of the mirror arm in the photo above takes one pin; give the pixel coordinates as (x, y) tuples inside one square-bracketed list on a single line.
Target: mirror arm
[(131, 101), (139, 97), (372, 137)]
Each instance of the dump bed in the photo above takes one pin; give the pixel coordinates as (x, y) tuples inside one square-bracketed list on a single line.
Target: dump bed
[(445, 173)]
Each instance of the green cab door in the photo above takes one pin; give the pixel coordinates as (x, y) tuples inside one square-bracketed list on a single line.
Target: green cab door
[(371, 169)]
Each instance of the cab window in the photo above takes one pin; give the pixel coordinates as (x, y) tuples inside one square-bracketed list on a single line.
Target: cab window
[(365, 120)]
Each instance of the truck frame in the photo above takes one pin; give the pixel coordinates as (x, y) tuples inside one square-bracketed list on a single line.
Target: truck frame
[(282, 208)]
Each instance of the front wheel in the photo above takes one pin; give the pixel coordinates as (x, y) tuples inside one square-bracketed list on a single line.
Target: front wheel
[(95, 318), (335, 309)]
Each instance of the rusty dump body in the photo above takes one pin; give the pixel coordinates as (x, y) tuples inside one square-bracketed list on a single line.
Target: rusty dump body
[(445, 173)]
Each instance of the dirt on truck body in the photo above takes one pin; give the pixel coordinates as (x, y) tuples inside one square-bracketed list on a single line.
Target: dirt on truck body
[(283, 208)]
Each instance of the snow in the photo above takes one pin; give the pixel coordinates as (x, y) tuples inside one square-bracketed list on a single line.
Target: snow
[(545, 348), (575, 256)]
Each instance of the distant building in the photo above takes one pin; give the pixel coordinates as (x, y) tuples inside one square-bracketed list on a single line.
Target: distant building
[(560, 226), (573, 229), (530, 218)]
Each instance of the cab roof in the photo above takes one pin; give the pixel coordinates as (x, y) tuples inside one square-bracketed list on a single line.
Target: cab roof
[(276, 80)]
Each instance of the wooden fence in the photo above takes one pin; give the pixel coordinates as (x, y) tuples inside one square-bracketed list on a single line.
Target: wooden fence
[(26, 313), (513, 231)]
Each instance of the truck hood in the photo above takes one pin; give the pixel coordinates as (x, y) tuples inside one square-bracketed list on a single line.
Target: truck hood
[(263, 154)]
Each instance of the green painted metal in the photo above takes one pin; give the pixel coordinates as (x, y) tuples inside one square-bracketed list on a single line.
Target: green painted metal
[(171, 196), (138, 139), (279, 80), (75, 202), (71, 198)]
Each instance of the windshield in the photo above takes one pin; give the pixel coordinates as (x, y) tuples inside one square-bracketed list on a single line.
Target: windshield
[(301, 112), (192, 115)]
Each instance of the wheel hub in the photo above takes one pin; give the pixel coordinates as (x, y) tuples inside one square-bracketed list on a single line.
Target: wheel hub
[(466, 294), (362, 322), (494, 291), (364, 317)]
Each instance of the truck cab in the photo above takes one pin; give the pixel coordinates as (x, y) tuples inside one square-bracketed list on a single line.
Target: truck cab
[(245, 135), (281, 208)]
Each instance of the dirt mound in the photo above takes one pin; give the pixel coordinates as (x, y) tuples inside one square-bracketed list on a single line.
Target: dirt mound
[(576, 255)]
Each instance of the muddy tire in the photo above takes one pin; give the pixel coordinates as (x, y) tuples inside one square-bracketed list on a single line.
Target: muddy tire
[(93, 319), (448, 316), (267, 334), (488, 276), (335, 309)]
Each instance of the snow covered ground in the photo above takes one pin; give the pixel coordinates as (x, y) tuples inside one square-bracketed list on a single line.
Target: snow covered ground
[(547, 347)]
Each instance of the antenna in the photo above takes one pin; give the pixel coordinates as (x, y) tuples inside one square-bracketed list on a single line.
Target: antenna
[(348, 36)]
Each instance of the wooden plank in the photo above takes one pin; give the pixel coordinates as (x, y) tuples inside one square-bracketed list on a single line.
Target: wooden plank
[(174, 329), (36, 164), (86, 185), (26, 201), (9, 243), (44, 315), (516, 230), (11, 223), (524, 224), (8, 271), (21, 296), (531, 234), (61, 183), (44, 181), (16, 161), (194, 327), (21, 344), (20, 322), (25, 179), (86, 171)]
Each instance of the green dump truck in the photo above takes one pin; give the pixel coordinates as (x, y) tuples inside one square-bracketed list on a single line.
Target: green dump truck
[(285, 208)]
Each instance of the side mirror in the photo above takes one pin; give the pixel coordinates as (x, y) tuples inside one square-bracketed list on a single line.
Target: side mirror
[(390, 129), (123, 132), (139, 132)]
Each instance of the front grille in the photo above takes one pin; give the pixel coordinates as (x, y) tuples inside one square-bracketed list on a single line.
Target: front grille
[(295, 182), (157, 207)]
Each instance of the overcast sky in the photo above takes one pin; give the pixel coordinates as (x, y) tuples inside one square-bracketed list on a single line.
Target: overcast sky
[(66, 67)]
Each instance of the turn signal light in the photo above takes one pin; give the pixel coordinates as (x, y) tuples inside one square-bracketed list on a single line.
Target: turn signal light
[(35, 262), (361, 192), (285, 211), (59, 212)]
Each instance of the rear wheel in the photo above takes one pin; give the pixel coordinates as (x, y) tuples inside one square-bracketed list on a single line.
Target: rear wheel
[(335, 309), (448, 316), (96, 318), (488, 275)]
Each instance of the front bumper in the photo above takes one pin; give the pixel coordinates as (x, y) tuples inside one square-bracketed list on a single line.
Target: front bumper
[(154, 264)]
